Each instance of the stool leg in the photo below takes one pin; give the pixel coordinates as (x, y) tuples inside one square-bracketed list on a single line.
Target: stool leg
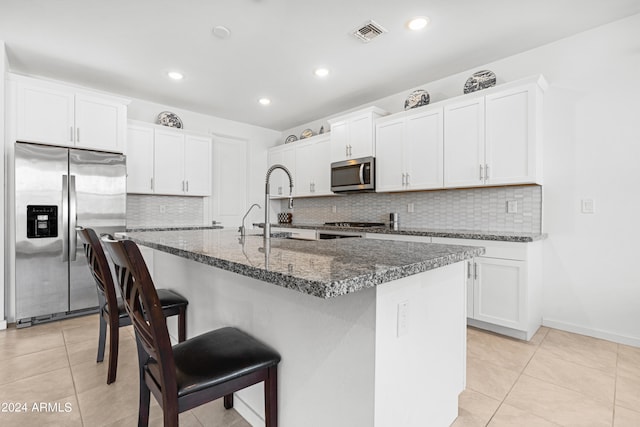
[(145, 393), (102, 338), (271, 398), (114, 336), (228, 401), (182, 324)]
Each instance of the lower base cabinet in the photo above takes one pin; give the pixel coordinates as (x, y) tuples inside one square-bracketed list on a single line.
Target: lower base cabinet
[(504, 287)]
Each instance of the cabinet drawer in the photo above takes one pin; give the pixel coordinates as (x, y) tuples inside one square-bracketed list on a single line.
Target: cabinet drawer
[(493, 249), (297, 233)]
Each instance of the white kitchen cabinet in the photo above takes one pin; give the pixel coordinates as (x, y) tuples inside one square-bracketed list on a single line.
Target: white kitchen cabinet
[(284, 155), (495, 139), (313, 167), (163, 160), (504, 286), (353, 135), (168, 160), (409, 151), (139, 159), (52, 113)]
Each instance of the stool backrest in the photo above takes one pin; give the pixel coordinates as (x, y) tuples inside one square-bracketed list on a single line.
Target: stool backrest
[(145, 310), (99, 267)]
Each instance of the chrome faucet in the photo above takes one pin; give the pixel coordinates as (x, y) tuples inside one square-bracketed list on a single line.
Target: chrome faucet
[(267, 224), (242, 229)]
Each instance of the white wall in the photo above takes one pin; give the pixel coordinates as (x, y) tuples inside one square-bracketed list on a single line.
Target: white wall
[(3, 68), (591, 150), (257, 139)]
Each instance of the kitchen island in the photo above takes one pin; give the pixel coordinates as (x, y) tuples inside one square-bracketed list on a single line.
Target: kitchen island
[(371, 333)]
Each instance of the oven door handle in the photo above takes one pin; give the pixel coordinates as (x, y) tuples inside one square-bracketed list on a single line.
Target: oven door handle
[(361, 174)]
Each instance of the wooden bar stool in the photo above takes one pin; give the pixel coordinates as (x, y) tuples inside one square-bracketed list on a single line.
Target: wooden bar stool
[(199, 370), (112, 310)]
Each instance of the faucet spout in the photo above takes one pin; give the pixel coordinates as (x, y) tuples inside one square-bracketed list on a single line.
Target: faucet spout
[(267, 201), (242, 229)]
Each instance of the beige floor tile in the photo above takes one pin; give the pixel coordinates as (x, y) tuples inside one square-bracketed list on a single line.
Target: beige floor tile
[(213, 414), (88, 320), (489, 379), (50, 386), (475, 409), (60, 412), (628, 391), (32, 364), (23, 342), (626, 418), (87, 351), (539, 336), (589, 381), (81, 333), (90, 375), (557, 404), (580, 349), (502, 351), (508, 416), (629, 359)]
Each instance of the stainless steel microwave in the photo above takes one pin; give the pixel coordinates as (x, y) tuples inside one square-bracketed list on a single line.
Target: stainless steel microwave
[(353, 175)]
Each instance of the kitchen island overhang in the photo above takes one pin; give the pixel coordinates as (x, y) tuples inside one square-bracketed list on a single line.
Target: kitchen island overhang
[(374, 336)]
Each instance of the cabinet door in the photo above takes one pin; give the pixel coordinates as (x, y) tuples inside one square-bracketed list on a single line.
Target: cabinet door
[(339, 141), (100, 123), (500, 292), (279, 182), (45, 115), (321, 167), (304, 173), (424, 151), (360, 137), (464, 144), (139, 159), (470, 283), (389, 156), (168, 160), (197, 165), (510, 146)]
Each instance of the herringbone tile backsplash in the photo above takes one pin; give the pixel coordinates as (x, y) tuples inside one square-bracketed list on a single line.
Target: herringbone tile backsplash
[(154, 211), (481, 209)]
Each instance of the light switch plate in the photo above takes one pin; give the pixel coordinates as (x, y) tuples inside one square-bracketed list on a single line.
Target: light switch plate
[(410, 207), (512, 206)]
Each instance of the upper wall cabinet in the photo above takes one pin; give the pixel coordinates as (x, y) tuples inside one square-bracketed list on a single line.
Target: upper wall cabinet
[(409, 150), (163, 160), (52, 113), (353, 135), (495, 139), (284, 155), (313, 167)]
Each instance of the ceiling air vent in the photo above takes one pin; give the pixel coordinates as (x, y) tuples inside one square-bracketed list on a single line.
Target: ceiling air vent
[(369, 31)]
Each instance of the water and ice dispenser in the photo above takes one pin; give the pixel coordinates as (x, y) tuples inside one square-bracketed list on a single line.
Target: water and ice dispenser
[(42, 221)]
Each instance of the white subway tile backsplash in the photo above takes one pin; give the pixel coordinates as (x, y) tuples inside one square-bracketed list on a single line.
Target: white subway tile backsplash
[(152, 211), (482, 209)]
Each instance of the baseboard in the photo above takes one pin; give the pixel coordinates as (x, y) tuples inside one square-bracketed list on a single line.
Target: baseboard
[(595, 333), (3, 324), (246, 412)]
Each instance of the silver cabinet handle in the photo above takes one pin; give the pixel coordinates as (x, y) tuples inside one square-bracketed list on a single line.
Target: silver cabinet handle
[(346, 150), (481, 178), (486, 171), (350, 150), (404, 181), (77, 134), (280, 190), (407, 179), (187, 186), (475, 270), (71, 133), (183, 186), (151, 183), (468, 269)]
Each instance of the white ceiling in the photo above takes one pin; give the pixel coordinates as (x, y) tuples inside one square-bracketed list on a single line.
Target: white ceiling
[(127, 46)]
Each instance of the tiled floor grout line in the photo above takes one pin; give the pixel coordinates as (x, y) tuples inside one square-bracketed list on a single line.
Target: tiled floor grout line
[(73, 380)]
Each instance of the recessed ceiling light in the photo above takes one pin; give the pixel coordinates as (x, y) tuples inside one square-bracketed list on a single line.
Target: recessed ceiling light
[(221, 32), (175, 75), (264, 101), (321, 72), (418, 23)]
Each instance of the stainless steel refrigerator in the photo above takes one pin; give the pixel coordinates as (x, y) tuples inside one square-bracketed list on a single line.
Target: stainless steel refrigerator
[(57, 189)]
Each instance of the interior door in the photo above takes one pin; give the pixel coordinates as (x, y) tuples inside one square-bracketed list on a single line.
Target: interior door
[(97, 196)]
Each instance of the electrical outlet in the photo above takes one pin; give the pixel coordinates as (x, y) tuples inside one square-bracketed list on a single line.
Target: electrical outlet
[(410, 207), (403, 318), (512, 206), (588, 206), (163, 209), (334, 209)]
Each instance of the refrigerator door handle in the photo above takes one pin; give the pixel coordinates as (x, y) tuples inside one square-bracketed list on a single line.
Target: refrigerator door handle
[(73, 218), (65, 218)]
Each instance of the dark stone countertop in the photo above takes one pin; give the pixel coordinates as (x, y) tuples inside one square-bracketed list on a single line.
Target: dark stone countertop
[(503, 236), (324, 269)]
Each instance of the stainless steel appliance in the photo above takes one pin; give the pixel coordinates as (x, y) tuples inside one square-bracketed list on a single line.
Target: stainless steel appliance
[(57, 189), (353, 175)]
